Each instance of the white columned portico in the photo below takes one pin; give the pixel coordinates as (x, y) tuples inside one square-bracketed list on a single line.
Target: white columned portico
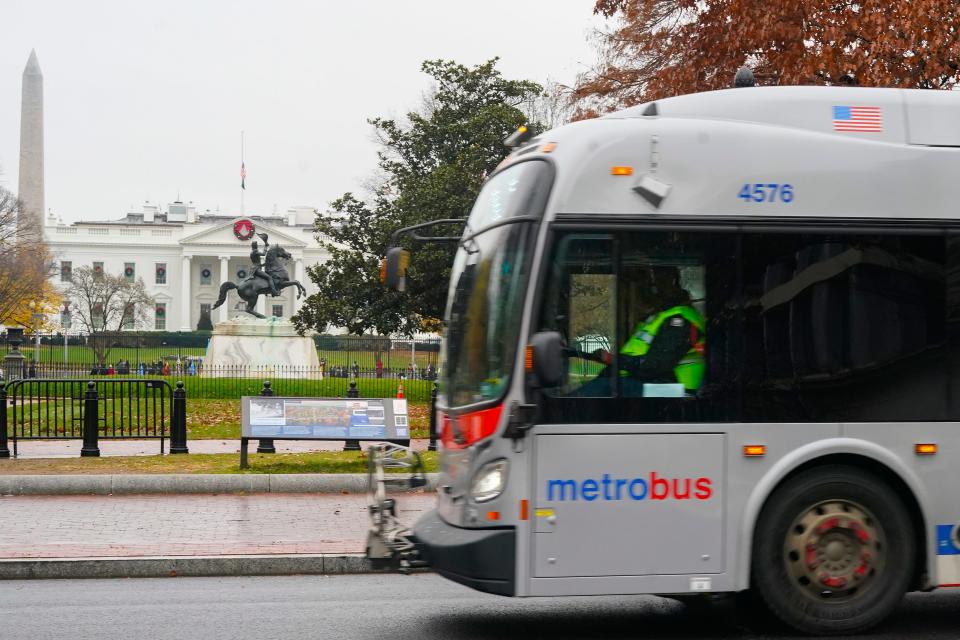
[(300, 275), (186, 297), (224, 276)]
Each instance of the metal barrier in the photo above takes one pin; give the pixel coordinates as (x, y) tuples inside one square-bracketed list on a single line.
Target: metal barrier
[(231, 382), (58, 409)]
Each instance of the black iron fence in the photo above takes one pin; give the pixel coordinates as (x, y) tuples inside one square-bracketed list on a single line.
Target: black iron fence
[(58, 409), (239, 380), (157, 349)]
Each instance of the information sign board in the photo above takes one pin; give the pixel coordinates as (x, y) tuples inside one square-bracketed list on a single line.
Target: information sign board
[(324, 418)]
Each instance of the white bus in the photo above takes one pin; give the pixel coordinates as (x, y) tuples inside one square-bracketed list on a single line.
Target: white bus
[(711, 344)]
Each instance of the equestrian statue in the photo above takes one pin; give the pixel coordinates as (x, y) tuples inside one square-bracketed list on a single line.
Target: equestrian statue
[(269, 277)]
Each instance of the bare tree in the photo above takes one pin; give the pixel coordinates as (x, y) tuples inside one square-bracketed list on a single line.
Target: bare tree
[(103, 304), (551, 108), (25, 261)]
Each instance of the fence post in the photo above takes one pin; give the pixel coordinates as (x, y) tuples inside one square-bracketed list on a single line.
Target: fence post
[(266, 446), (433, 418), (352, 392), (13, 361), (4, 449), (91, 422), (178, 420)]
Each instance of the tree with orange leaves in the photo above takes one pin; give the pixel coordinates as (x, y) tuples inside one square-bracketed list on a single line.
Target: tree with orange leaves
[(659, 48), (25, 266)]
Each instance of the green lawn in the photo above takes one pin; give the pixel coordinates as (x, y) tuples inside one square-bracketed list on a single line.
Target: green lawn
[(226, 388), (320, 462), (84, 355), (396, 359)]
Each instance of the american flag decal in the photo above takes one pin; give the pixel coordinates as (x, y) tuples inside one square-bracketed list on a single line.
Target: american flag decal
[(853, 118)]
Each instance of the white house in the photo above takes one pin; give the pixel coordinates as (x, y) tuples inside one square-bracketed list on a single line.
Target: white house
[(183, 256)]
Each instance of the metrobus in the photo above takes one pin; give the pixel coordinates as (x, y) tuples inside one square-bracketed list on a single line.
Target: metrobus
[(800, 439)]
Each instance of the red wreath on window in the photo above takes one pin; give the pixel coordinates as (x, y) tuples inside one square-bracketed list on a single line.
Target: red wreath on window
[(243, 229), (128, 272), (161, 271), (205, 273), (161, 311)]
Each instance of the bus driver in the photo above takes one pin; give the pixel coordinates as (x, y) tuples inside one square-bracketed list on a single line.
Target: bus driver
[(668, 340)]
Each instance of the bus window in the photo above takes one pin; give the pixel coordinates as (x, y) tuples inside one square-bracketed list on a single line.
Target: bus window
[(581, 305), (662, 318), (648, 317), (844, 327)]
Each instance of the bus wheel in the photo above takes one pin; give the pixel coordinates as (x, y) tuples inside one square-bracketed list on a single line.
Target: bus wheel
[(833, 552)]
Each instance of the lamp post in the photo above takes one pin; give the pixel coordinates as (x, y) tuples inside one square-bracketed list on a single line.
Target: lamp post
[(65, 322), (13, 361), (38, 317)]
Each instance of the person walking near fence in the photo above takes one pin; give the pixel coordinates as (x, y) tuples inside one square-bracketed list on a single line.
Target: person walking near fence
[(379, 368)]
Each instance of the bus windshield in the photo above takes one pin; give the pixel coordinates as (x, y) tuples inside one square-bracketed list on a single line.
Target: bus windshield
[(487, 285)]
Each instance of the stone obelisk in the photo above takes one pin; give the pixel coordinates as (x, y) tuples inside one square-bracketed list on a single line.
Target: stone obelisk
[(31, 142)]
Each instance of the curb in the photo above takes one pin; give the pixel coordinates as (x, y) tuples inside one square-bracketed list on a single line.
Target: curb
[(187, 566), (121, 484)]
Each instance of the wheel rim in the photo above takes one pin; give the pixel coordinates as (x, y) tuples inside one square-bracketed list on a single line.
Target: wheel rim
[(835, 551)]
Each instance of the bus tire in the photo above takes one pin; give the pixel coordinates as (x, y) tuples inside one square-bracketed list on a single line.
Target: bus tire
[(822, 560)]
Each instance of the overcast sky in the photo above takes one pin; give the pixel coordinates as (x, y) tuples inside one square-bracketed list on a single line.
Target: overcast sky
[(145, 100)]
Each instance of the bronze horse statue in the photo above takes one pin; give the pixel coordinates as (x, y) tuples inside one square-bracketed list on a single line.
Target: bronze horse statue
[(254, 286)]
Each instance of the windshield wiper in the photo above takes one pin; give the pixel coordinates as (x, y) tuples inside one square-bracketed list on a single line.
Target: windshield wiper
[(395, 236), (468, 235)]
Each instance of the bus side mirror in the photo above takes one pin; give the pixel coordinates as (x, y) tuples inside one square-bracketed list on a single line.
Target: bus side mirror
[(393, 268), (543, 359)]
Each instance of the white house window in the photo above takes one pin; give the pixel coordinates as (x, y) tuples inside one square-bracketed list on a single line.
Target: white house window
[(129, 271), (66, 270), (242, 272), (161, 273), (205, 323), (97, 313), (98, 269), (129, 315), (278, 311), (206, 272), (160, 316)]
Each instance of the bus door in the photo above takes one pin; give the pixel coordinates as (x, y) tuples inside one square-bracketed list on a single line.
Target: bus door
[(629, 480)]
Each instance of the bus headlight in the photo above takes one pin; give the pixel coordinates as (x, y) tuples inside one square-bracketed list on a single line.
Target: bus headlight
[(489, 481)]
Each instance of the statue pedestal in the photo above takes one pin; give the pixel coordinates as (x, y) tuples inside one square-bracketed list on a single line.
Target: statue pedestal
[(248, 346)]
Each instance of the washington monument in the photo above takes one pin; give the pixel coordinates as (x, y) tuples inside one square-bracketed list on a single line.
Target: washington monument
[(31, 141)]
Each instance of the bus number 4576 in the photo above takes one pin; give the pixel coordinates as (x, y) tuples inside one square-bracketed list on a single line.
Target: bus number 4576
[(766, 192)]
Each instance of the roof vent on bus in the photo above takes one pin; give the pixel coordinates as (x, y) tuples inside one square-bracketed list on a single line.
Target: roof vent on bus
[(651, 110), (744, 77)]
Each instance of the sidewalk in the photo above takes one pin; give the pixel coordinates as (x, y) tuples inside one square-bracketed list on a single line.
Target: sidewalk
[(71, 448), (160, 535)]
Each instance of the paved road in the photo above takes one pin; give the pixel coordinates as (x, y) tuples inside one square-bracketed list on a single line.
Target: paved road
[(397, 607)]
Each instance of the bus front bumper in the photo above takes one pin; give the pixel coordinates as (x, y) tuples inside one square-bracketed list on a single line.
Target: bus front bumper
[(479, 558)]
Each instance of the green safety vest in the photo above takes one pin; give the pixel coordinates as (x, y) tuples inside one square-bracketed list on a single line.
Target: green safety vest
[(690, 369)]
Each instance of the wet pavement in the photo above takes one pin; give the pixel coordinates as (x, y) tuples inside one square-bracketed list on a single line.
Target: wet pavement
[(190, 525)]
